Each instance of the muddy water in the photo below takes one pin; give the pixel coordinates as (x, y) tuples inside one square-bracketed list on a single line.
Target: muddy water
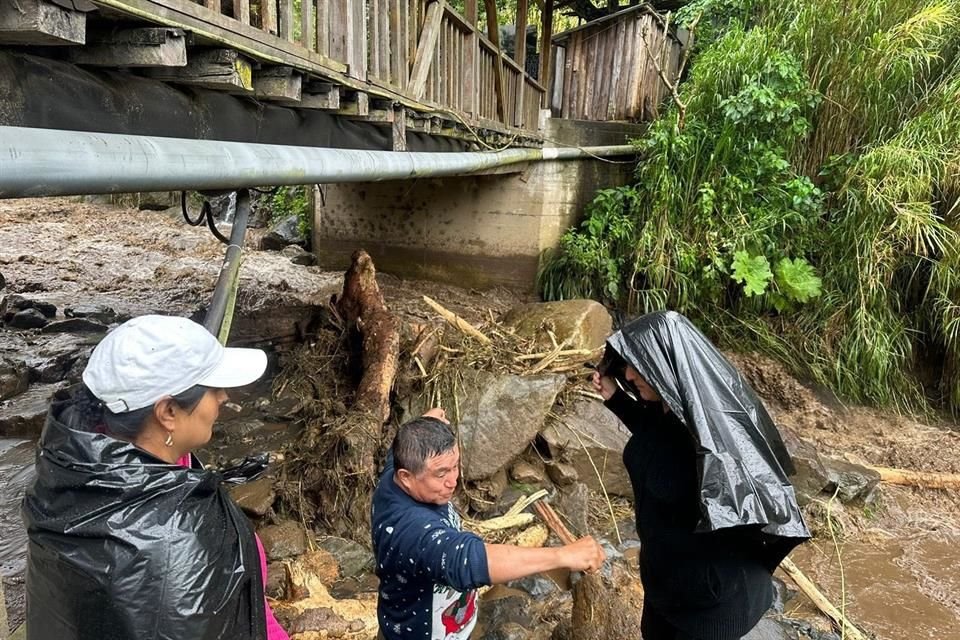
[(895, 588), (16, 471)]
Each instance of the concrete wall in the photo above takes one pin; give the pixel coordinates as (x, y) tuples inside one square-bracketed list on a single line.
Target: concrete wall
[(474, 231)]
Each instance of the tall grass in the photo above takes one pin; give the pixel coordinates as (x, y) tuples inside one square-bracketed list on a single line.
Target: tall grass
[(817, 133)]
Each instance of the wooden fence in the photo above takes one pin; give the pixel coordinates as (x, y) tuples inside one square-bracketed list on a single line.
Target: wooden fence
[(421, 50), (607, 69)]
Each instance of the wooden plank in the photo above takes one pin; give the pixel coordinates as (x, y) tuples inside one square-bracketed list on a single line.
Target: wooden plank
[(268, 16), (337, 33), (605, 86), (38, 22), (397, 45), (425, 50), (375, 41), (221, 69), (574, 53), (357, 40), (398, 133), (323, 27), (567, 78), (493, 33), (242, 9), (307, 25), (556, 95), (629, 54), (385, 39), (286, 20), (278, 83), (354, 103), (146, 47)]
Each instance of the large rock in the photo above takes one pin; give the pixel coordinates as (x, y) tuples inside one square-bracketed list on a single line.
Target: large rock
[(74, 325), (283, 540), (771, 629), (96, 312), (573, 504), (586, 323), (14, 378), (27, 319), (354, 559), (23, 415), (850, 481), (14, 303), (255, 497), (282, 234), (500, 415), (53, 357), (591, 439), (811, 477)]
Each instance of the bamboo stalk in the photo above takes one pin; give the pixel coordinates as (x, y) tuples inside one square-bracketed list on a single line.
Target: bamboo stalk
[(811, 591), (563, 354), (553, 355), (459, 323)]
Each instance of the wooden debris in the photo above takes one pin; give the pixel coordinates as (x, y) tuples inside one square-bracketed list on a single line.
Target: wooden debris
[(553, 355), (565, 353), (811, 591), (456, 321), (922, 479)]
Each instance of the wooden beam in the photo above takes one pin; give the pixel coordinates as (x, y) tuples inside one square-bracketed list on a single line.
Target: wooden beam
[(546, 48), (493, 33), (39, 22), (220, 69), (319, 95), (354, 103), (146, 47), (278, 83), (398, 132), (425, 49), (520, 56)]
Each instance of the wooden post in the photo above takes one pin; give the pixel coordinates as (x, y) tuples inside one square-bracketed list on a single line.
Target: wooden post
[(242, 9), (399, 130), (520, 56), (307, 25), (323, 27), (493, 33), (425, 49), (286, 20), (268, 15), (546, 48), (213, 5)]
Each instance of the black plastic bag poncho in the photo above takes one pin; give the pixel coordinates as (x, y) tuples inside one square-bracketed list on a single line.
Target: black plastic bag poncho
[(741, 459), (126, 547)]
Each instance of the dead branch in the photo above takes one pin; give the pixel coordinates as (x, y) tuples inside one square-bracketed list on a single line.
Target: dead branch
[(922, 479), (456, 321), (674, 86)]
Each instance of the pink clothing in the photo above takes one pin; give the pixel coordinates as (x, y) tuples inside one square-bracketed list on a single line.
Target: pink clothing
[(274, 630)]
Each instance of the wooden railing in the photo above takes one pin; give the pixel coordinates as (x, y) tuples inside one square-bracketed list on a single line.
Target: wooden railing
[(420, 51)]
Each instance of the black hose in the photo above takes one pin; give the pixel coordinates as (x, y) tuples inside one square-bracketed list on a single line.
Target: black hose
[(206, 213)]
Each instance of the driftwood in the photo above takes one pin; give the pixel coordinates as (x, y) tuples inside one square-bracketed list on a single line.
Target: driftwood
[(922, 479), (811, 591)]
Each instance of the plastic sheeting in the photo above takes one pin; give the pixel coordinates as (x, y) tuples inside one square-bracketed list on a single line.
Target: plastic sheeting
[(742, 462), (126, 547)]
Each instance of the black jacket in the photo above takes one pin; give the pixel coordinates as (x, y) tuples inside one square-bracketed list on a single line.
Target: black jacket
[(124, 546), (715, 510)]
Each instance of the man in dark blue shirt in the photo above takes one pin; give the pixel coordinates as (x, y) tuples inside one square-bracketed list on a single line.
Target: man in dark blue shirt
[(429, 569)]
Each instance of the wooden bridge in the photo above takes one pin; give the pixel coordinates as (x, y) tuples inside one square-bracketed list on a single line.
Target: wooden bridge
[(405, 65)]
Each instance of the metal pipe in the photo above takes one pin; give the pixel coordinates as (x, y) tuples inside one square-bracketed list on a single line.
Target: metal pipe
[(219, 316), (51, 162)]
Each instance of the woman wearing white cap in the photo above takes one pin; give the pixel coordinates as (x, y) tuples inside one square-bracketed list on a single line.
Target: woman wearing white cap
[(130, 538)]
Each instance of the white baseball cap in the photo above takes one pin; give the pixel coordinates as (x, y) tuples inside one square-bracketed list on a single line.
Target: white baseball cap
[(151, 357)]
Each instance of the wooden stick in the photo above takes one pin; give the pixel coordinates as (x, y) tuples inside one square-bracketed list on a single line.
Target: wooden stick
[(563, 354), (552, 521), (553, 355), (922, 479), (811, 591), (459, 323)]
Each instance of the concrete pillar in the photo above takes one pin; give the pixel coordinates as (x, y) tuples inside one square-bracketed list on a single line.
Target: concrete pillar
[(475, 231)]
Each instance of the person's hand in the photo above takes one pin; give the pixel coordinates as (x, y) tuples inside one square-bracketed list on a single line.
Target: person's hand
[(585, 554), (437, 413), (604, 385)]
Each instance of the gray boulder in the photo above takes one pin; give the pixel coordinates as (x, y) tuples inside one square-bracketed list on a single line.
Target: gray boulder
[(23, 415), (283, 233), (27, 319), (354, 559), (74, 325), (500, 415), (589, 431), (255, 497), (283, 540), (811, 477), (14, 378), (850, 481), (96, 312)]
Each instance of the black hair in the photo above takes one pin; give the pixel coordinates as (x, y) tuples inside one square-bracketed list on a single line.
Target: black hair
[(420, 439), (129, 424)]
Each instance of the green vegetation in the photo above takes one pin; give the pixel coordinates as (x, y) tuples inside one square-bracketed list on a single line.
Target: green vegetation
[(808, 205), (293, 201)]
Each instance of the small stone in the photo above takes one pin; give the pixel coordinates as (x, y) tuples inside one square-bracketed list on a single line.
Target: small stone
[(354, 559), (98, 313), (14, 303), (74, 325), (283, 540), (525, 473), (562, 474), (27, 319), (276, 581), (298, 255)]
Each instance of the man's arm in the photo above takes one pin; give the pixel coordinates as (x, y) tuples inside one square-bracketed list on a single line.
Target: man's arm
[(507, 562)]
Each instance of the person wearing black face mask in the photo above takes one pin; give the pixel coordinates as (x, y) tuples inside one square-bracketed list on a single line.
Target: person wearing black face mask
[(715, 511)]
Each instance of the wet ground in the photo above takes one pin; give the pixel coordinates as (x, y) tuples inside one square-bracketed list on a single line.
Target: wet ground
[(894, 566)]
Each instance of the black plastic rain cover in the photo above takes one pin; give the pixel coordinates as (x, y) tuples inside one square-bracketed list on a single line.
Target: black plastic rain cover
[(125, 547), (743, 463)]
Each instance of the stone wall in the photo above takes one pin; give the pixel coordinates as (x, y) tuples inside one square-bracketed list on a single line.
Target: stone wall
[(471, 230)]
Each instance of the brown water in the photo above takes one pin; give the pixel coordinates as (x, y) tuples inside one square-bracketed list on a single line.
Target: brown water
[(897, 589)]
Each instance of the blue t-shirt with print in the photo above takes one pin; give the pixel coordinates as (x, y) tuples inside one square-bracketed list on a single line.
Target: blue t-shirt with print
[(428, 568)]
